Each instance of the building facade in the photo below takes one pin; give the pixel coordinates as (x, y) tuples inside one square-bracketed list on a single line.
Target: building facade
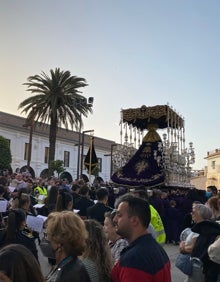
[(213, 168), (199, 178), (68, 149)]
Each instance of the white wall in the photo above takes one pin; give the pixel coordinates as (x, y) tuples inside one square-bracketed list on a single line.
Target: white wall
[(18, 140)]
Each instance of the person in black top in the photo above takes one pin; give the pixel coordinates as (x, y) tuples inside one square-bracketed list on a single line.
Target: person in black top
[(51, 200), (98, 211), (75, 193), (64, 201), (83, 202), (17, 232)]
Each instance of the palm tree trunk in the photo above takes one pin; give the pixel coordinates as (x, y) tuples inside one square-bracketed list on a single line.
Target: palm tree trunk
[(52, 144)]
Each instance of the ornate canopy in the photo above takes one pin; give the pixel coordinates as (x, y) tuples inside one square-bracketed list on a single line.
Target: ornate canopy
[(161, 115)]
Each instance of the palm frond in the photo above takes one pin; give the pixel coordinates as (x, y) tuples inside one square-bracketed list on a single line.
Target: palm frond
[(56, 99)]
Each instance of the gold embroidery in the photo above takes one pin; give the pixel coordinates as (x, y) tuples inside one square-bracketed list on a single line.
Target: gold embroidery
[(141, 166)]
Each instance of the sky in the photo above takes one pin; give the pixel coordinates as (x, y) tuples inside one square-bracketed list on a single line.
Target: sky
[(131, 53)]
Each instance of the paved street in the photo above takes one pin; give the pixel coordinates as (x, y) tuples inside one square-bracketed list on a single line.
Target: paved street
[(172, 251), (176, 274)]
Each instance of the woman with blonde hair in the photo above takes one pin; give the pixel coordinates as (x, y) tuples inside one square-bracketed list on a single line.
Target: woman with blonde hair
[(97, 255), (67, 235), (214, 204), (24, 200)]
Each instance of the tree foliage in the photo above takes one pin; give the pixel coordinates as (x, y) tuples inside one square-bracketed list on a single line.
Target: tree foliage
[(95, 171), (57, 166), (5, 154)]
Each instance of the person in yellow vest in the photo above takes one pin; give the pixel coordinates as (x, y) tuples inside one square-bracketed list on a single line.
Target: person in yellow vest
[(40, 191), (156, 220), (157, 223)]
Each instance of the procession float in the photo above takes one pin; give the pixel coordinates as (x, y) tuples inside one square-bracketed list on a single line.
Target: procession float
[(152, 150)]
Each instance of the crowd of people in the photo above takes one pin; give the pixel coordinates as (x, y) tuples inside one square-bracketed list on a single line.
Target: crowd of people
[(104, 233)]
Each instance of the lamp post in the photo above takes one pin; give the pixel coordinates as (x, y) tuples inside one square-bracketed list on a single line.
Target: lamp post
[(30, 147), (82, 152), (79, 144), (90, 104), (29, 144), (111, 169), (30, 123), (111, 155)]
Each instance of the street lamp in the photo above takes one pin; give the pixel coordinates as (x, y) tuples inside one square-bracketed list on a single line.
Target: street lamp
[(82, 153), (111, 157), (90, 104), (111, 169), (79, 144), (30, 123), (29, 145)]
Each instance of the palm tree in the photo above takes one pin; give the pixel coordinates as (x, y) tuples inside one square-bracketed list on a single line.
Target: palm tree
[(57, 101)]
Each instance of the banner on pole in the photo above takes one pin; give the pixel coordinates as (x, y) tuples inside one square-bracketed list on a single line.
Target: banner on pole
[(91, 160)]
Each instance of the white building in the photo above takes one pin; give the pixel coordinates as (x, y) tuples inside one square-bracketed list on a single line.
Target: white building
[(12, 128), (213, 168)]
